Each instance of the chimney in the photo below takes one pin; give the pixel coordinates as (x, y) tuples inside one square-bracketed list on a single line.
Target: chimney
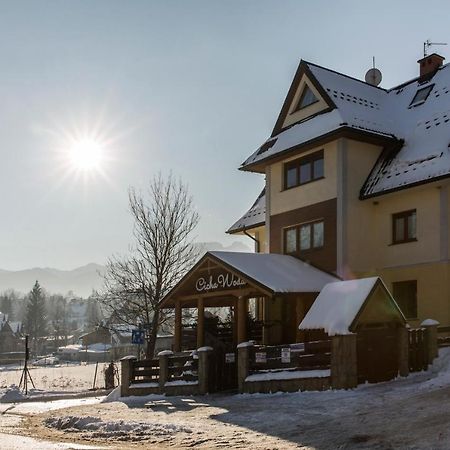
[(429, 65)]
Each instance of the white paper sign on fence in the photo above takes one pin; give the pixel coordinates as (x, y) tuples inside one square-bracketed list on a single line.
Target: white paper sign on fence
[(230, 358), (285, 355), (261, 357)]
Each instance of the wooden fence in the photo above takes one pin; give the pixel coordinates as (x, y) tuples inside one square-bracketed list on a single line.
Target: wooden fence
[(418, 350), (314, 355), (181, 367), (145, 371), (443, 336)]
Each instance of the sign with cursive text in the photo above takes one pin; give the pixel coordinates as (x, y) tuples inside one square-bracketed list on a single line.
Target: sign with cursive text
[(220, 281)]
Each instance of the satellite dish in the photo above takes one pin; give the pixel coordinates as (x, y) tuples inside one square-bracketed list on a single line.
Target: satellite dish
[(373, 77)]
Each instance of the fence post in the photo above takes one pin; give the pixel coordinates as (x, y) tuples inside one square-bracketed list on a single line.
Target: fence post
[(126, 364), (204, 354), (243, 368), (431, 334), (344, 370), (403, 351), (164, 367)]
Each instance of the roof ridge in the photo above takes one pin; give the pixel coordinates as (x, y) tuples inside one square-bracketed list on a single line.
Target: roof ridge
[(346, 76), (412, 80)]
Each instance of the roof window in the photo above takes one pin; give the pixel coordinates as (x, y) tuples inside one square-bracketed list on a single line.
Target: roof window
[(421, 96), (306, 99)]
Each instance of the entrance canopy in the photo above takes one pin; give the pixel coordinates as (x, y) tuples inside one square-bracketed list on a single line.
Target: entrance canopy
[(220, 275)]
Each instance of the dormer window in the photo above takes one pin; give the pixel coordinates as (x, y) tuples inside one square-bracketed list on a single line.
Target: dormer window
[(307, 98), (421, 96)]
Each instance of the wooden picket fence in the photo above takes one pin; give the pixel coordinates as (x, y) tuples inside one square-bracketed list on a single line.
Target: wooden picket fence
[(418, 350), (314, 355)]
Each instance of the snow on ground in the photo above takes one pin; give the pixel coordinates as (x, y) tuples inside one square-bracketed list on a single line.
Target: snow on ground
[(119, 430), (407, 413), (71, 377)]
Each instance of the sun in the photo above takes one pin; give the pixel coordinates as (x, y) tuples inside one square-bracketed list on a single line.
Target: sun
[(86, 154)]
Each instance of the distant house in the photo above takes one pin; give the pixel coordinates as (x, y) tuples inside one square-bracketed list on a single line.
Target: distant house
[(10, 337)]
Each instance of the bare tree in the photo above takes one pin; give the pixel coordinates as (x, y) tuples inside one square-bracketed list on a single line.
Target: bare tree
[(161, 254)]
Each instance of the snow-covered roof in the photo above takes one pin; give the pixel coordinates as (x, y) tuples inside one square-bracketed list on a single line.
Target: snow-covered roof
[(279, 273), (337, 305), (424, 130), (254, 217)]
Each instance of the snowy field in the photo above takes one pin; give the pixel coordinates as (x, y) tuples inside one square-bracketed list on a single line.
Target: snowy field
[(73, 377), (407, 413)]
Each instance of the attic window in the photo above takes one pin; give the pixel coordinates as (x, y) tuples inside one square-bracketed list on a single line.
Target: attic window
[(307, 98), (421, 96)]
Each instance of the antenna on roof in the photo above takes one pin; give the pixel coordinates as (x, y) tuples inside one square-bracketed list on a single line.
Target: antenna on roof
[(373, 75), (427, 44)]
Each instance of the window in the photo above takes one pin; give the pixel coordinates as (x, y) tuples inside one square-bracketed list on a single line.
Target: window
[(304, 237), (421, 96), (405, 294), (303, 170), (404, 227), (307, 98)]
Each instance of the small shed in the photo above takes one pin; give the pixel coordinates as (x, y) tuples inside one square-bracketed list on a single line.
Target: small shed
[(366, 308)]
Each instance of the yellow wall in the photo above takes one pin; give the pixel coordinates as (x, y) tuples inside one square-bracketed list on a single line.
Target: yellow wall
[(370, 235), (307, 194), (433, 293), (293, 117)]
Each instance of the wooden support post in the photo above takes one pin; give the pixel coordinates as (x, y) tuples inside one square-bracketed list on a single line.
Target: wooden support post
[(204, 369), (242, 319), (164, 367), (126, 373), (403, 351), (200, 323), (244, 349), (266, 319), (234, 315), (431, 336), (178, 327)]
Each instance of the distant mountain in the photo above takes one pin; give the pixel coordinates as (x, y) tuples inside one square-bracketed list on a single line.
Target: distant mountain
[(82, 280), (217, 246)]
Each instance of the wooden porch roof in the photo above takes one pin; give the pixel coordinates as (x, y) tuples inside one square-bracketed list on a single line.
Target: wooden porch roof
[(219, 276)]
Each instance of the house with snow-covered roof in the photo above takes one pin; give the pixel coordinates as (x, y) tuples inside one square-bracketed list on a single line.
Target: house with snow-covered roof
[(357, 183)]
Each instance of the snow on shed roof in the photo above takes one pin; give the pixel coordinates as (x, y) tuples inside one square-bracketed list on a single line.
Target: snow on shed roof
[(337, 305), (279, 273), (254, 217), (424, 129)]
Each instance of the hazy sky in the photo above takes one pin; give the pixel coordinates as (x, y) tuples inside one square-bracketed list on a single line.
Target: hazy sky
[(188, 86)]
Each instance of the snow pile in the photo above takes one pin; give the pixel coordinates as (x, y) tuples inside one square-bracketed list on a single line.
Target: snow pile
[(94, 427), (113, 396), (11, 395), (439, 371)]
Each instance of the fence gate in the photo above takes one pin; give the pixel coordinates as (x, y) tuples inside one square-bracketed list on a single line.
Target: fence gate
[(224, 370), (377, 354)]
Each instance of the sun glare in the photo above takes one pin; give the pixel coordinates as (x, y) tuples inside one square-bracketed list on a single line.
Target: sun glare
[(86, 154)]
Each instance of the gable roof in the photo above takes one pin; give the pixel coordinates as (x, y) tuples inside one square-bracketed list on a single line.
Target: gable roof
[(254, 217), (337, 307), (416, 138), (278, 273), (270, 272)]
